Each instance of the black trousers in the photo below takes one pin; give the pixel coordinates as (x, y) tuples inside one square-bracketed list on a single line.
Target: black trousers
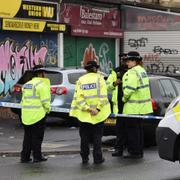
[(135, 135), (33, 137), (91, 133), (121, 134)]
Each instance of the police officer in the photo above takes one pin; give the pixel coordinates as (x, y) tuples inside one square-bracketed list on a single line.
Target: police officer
[(35, 103), (91, 107), (114, 84), (137, 101)]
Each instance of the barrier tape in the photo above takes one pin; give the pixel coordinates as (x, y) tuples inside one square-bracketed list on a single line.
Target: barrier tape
[(66, 110), (18, 106), (136, 116)]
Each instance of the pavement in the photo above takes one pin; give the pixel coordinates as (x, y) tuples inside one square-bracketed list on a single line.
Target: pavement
[(57, 140)]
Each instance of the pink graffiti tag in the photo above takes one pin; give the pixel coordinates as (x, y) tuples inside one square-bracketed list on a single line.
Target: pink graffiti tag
[(15, 60)]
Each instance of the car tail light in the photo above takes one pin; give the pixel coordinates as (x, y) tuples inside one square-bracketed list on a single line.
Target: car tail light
[(154, 105), (59, 90), (17, 88)]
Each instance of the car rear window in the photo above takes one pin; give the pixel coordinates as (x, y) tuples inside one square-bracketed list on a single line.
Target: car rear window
[(54, 77), (73, 77)]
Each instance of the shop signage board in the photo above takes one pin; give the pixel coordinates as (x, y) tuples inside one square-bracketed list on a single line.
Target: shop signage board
[(32, 26), (141, 19), (91, 21), (41, 10)]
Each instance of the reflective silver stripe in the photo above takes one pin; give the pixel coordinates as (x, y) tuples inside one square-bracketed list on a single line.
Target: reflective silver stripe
[(31, 107), (139, 101), (140, 87), (129, 87), (92, 106), (83, 108), (34, 91), (141, 81), (45, 100), (144, 86), (95, 96), (74, 108), (81, 102), (98, 87), (31, 97)]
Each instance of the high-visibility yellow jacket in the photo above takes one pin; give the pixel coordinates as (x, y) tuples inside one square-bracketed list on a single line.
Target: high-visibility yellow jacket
[(113, 90), (90, 92), (36, 98), (137, 97)]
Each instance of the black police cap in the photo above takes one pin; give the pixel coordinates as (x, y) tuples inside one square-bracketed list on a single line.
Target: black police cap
[(90, 64)]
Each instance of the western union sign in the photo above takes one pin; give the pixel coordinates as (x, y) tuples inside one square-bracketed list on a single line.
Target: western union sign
[(32, 26), (56, 27), (29, 10)]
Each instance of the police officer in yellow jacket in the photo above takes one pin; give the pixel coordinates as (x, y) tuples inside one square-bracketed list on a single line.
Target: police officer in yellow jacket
[(137, 101), (91, 107), (35, 104), (114, 85)]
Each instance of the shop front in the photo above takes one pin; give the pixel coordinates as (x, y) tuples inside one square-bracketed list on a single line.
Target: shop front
[(29, 32), (155, 35), (95, 34)]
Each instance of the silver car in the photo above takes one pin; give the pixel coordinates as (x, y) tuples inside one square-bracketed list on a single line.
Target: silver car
[(62, 89)]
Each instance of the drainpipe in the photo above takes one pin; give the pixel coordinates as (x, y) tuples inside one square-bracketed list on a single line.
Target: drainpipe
[(60, 62), (60, 42)]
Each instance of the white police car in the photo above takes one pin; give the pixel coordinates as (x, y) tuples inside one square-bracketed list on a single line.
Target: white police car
[(168, 133)]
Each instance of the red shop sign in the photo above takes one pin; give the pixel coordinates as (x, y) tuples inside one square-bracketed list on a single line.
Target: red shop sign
[(91, 21)]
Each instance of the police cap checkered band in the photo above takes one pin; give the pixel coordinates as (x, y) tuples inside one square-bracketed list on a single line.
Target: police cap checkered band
[(133, 55)]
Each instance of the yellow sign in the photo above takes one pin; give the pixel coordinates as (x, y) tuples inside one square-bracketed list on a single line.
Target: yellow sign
[(56, 27), (23, 25), (9, 8), (39, 10)]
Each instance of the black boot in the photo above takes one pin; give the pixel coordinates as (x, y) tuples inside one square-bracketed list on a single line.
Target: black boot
[(99, 161), (117, 153), (85, 160), (43, 158)]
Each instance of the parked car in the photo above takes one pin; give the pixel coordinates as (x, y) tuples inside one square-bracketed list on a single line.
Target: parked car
[(62, 81), (163, 91), (168, 133)]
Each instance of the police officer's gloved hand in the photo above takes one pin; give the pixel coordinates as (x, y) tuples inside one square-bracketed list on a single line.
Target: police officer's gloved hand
[(93, 112), (117, 82)]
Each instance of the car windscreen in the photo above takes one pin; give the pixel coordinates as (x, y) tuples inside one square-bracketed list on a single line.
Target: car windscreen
[(54, 77), (73, 77)]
